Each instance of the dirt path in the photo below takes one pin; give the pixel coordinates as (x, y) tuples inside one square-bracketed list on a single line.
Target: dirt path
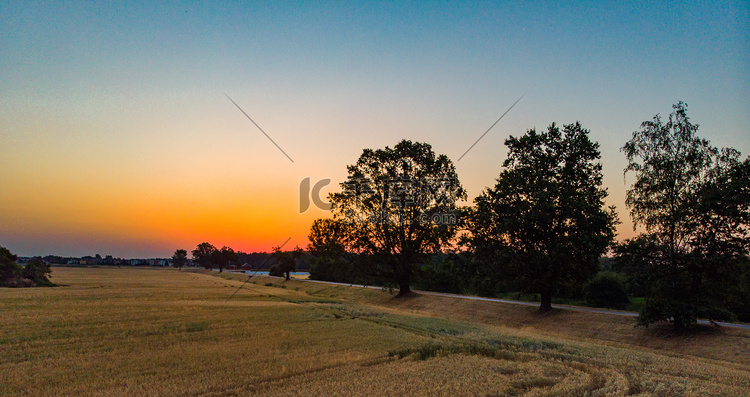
[(522, 303)]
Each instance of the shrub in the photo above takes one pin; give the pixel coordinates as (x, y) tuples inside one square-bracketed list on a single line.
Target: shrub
[(438, 278), (606, 290), (37, 271), (275, 271)]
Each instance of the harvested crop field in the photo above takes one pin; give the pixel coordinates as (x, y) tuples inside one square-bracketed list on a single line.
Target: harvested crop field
[(109, 331)]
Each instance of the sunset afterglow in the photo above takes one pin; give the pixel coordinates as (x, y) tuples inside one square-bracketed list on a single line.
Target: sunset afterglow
[(117, 136)]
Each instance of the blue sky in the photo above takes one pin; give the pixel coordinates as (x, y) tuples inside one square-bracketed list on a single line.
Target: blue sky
[(116, 135)]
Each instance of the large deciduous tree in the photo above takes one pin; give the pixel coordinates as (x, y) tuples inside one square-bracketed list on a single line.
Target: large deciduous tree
[(692, 199), (398, 205), (224, 257), (287, 260), (546, 215), (179, 259), (205, 255)]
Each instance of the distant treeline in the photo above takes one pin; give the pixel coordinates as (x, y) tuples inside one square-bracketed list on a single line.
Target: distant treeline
[(208, 256), (256, 260), (96, 260), (263, 261)]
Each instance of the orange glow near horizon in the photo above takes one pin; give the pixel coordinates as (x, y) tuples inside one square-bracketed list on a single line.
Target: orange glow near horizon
[(118, 138), (172, 203)]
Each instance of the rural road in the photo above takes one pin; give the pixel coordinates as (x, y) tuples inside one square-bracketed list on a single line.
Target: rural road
[(562, 307), (513, 302)]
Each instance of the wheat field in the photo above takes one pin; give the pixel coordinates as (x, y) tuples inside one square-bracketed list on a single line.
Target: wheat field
[(162, 332)]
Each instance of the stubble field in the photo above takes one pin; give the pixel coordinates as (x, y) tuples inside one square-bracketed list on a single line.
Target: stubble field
[(160, 332)]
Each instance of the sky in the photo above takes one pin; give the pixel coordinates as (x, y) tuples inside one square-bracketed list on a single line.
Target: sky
[(118, 137)]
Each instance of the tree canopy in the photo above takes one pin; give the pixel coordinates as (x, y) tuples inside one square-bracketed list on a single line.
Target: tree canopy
[(204, 255), (179, 259), (287, 260), (9, 270), (35, 273), (332, 259), (692, 199), (398, 205), (224, 257), (546, 215)]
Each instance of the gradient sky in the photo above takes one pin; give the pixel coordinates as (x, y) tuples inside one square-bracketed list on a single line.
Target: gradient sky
[(116, 136)]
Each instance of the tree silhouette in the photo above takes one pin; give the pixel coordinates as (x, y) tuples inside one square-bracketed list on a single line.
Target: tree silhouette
[(37, 271), (205, 255), (332, 259), (224, 257), (398, 205), (693, 201), (546, 215), (179, 259), (287, 260), (9, 270)]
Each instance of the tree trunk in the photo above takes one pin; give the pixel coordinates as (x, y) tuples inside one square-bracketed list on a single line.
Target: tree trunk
[(287, 275), (403, 286), (546, 305), (680, 326)]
